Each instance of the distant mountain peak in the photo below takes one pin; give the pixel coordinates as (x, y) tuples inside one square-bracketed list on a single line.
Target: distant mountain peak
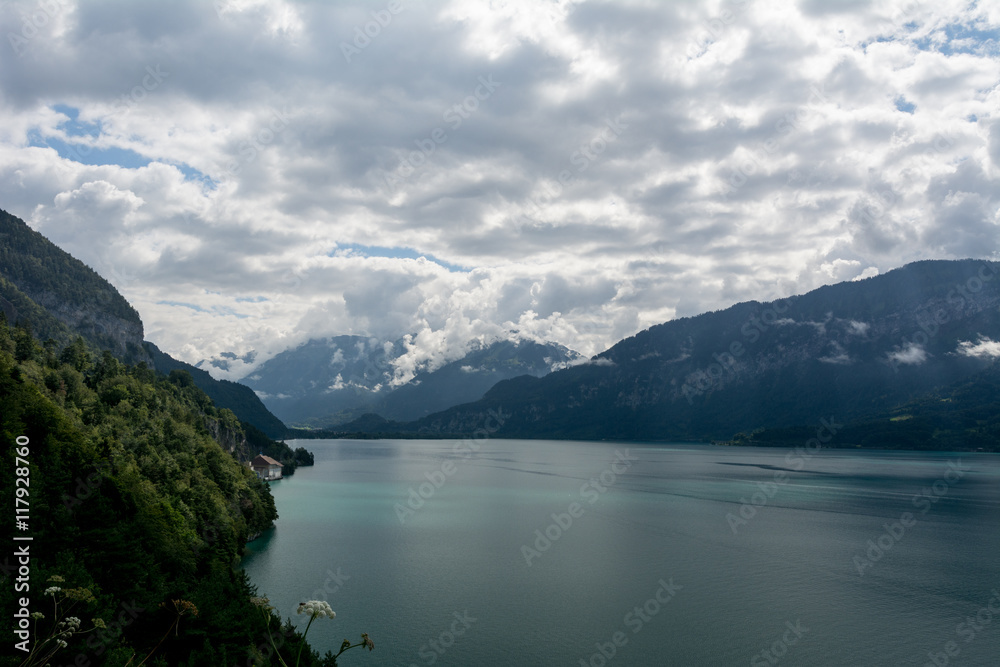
[(310, 386)]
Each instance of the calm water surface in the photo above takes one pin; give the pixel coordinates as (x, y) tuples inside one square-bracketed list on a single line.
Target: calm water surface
[(671, 559)]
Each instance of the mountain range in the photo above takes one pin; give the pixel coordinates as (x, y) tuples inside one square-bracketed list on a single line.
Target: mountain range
[(857, 352), (325, 383), (907, 358)]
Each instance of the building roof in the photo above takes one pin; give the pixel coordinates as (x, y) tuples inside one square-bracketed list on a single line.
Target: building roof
[(261, 461)]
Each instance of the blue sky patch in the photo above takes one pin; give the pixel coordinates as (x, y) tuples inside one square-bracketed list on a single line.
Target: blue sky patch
[(74, 127), (904, 106), (223, 311), (192, 174), (961, 38), (85, 154), (393, 253), (122, 157), (182, 304)]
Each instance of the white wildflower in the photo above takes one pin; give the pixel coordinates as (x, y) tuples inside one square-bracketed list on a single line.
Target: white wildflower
[(52, 590), (316, 609)]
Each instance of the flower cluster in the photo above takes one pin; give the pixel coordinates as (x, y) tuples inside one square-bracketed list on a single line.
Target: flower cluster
[(81, 594), (185, 607), (263, 602), (63, 600), (316, 609)]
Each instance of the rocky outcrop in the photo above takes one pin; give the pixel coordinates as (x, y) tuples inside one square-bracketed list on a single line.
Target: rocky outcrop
[(123, 338), (67, 290)]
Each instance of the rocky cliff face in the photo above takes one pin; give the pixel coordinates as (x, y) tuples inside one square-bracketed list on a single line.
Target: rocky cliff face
[(109, 332), (230, 437)]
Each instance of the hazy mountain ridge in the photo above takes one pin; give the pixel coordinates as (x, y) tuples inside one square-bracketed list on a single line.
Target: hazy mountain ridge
[(328, 382), (472, 376), (322, 379)]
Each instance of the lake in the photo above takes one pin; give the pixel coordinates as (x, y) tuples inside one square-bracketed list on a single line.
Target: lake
[(529, 552)]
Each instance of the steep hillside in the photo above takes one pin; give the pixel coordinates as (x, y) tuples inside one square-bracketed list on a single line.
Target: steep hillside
[(234, 396), (70, 291), (61, 298), (135, 511)]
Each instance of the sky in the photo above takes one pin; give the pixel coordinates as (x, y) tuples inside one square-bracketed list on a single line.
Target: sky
[(252, 174)]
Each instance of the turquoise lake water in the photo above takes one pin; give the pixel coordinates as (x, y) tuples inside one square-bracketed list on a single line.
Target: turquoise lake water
[(528, 552)]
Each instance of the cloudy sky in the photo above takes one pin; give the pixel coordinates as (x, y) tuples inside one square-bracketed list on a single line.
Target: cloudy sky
[(254, 173)]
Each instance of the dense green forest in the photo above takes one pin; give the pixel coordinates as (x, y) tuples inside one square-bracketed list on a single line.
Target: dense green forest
[(137, 515), (237, 397)]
